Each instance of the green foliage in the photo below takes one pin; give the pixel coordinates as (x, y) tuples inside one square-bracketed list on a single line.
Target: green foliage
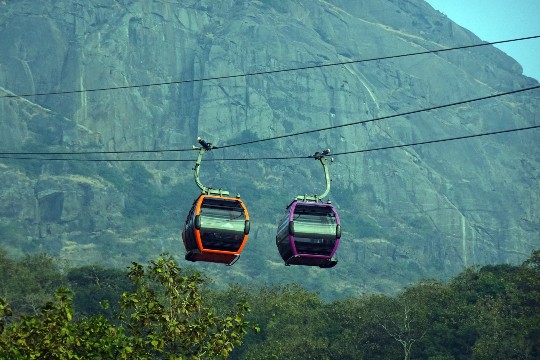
[(490, 312), (12, 236), (45, 335), (113, 175), (292, 323), (52, 334), (95, 285), (10, 231), (164, 312), (26, 283), (163, 317), (533, 262), (505, 301), (171, 319), (87, 169), (138, 173)]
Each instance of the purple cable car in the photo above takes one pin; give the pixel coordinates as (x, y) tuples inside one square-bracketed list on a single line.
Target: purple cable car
[(310, 231), (309, 234)]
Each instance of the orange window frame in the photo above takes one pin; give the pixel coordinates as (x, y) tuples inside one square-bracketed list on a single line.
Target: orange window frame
[(198, 239)]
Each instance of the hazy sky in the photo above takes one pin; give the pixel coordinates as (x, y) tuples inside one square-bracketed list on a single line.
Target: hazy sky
[(493, 20)]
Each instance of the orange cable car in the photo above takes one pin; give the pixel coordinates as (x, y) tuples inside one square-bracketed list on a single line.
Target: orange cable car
[(217, 226)]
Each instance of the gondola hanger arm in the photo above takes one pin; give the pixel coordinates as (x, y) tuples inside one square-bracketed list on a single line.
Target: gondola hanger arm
[(205, 146), (321, 156)]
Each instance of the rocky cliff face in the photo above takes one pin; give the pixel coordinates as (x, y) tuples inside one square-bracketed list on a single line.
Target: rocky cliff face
[(407, 213)]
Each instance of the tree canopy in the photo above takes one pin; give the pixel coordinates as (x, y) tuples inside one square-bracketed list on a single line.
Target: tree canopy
[(164, 312), (164, 316)]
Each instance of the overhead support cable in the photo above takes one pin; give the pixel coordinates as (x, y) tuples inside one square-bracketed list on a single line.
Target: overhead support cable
[(265, 72), (389, 147), (379, 118), (285, 135)]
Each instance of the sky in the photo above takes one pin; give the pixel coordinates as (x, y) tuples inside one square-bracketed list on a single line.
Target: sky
[(494, 20)]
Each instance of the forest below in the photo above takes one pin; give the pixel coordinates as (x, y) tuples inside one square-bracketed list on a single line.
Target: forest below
[(162, 311)]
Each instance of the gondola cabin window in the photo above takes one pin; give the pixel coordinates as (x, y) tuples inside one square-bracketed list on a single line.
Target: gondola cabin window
[(315, 230), (222, 224)]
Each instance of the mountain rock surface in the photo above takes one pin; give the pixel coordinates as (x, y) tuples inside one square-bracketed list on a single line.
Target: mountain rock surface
[(118, 76)]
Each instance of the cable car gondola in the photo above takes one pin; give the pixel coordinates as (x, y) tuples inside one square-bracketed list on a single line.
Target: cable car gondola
[(217, 226), (310, 231)]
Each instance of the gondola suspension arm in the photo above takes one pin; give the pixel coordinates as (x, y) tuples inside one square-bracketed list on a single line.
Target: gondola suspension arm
[(321, 156), (205, 146)]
